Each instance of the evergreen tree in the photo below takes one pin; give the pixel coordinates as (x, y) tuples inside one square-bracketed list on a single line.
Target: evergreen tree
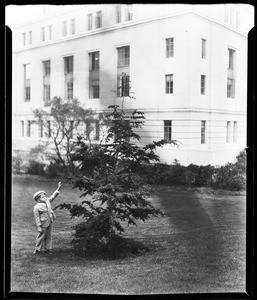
[(113, 174)]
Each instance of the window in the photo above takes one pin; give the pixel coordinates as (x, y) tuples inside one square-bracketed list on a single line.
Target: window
[(24, 39), (230, 88), (27, 70), (123, 85), (72, 29), (123, 70), (118, 13), (49, 129), (203, 80), (68, 65), (94, 61), (64, 28), (235, 132), (89, 21), (42, 34), (22, 128), (123, 56), (231, 57), (203, 48), (40, 129), (169, 47), (228, 137), (129, 13), (46, 81), (230, 77), (98, 19), (203, 129), (68, 77), (50, 32), (94, 75), (167, 130), (169, 84), (28, 128), (93, 88), (30, 37)]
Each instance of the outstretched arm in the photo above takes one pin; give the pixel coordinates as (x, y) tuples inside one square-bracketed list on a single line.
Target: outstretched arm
[(56, 193)]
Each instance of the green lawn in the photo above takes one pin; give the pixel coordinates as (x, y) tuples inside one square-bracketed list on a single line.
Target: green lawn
[(199, 246)]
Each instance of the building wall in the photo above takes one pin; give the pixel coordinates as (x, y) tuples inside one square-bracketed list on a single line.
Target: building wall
[(186, 107)]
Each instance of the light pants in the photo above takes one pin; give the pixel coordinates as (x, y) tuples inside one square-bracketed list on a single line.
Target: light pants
[(44, 239)]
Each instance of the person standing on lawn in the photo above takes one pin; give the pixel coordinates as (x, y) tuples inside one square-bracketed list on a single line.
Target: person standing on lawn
[(44, 216)]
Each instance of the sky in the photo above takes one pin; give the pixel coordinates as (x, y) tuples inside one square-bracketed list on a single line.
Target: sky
[(17, 14)]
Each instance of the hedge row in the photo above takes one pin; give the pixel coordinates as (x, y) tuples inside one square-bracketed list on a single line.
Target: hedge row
[(231, 176)]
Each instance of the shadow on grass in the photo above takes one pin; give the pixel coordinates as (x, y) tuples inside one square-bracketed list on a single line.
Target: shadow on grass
[(205, 238)]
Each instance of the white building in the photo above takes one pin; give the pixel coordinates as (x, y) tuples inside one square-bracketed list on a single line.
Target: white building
[(187, 67)]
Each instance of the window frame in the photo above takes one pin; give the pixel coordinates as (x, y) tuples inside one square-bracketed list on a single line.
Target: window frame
[(98, 19), (90, 21), (203, 132), (50, 32), (235, 127), (68, 77), (231, 58), (231, 88), (72, 26), (28, 133), (228, 134), (64, 28), (123, 85), (30, 37), (24, 38), (22, 128), (27, 83), (123, 56), (203, 84), (43, 36), (167, 130), (204, 48), (169, 47), (46, 81), (169, 84), (129, 12), (118, 14)]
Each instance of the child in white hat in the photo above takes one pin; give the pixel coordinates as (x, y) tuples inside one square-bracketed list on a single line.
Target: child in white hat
[(44, 216)]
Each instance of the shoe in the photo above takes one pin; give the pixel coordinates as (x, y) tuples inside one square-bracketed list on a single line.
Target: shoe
[(35, 252), (48, 252)]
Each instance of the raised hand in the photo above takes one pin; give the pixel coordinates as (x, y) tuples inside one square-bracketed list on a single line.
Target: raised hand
[(59, 185)]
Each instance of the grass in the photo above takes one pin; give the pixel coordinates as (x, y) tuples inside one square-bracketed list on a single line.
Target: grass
[(198, 247)]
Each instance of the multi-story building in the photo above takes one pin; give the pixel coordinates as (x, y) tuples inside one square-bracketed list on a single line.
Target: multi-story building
[(187, 67)]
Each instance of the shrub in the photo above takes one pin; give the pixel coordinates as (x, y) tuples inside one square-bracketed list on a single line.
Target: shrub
[(199, 175), (166, 174), (16, 164), (36, 168), (53, 170), (228, 177), (177, 174), (241, 162)]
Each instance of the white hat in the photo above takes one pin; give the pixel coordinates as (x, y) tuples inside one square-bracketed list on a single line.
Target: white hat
[(37, 194)]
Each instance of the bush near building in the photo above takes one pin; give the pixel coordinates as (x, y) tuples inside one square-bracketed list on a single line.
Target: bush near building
[(231, 176)]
